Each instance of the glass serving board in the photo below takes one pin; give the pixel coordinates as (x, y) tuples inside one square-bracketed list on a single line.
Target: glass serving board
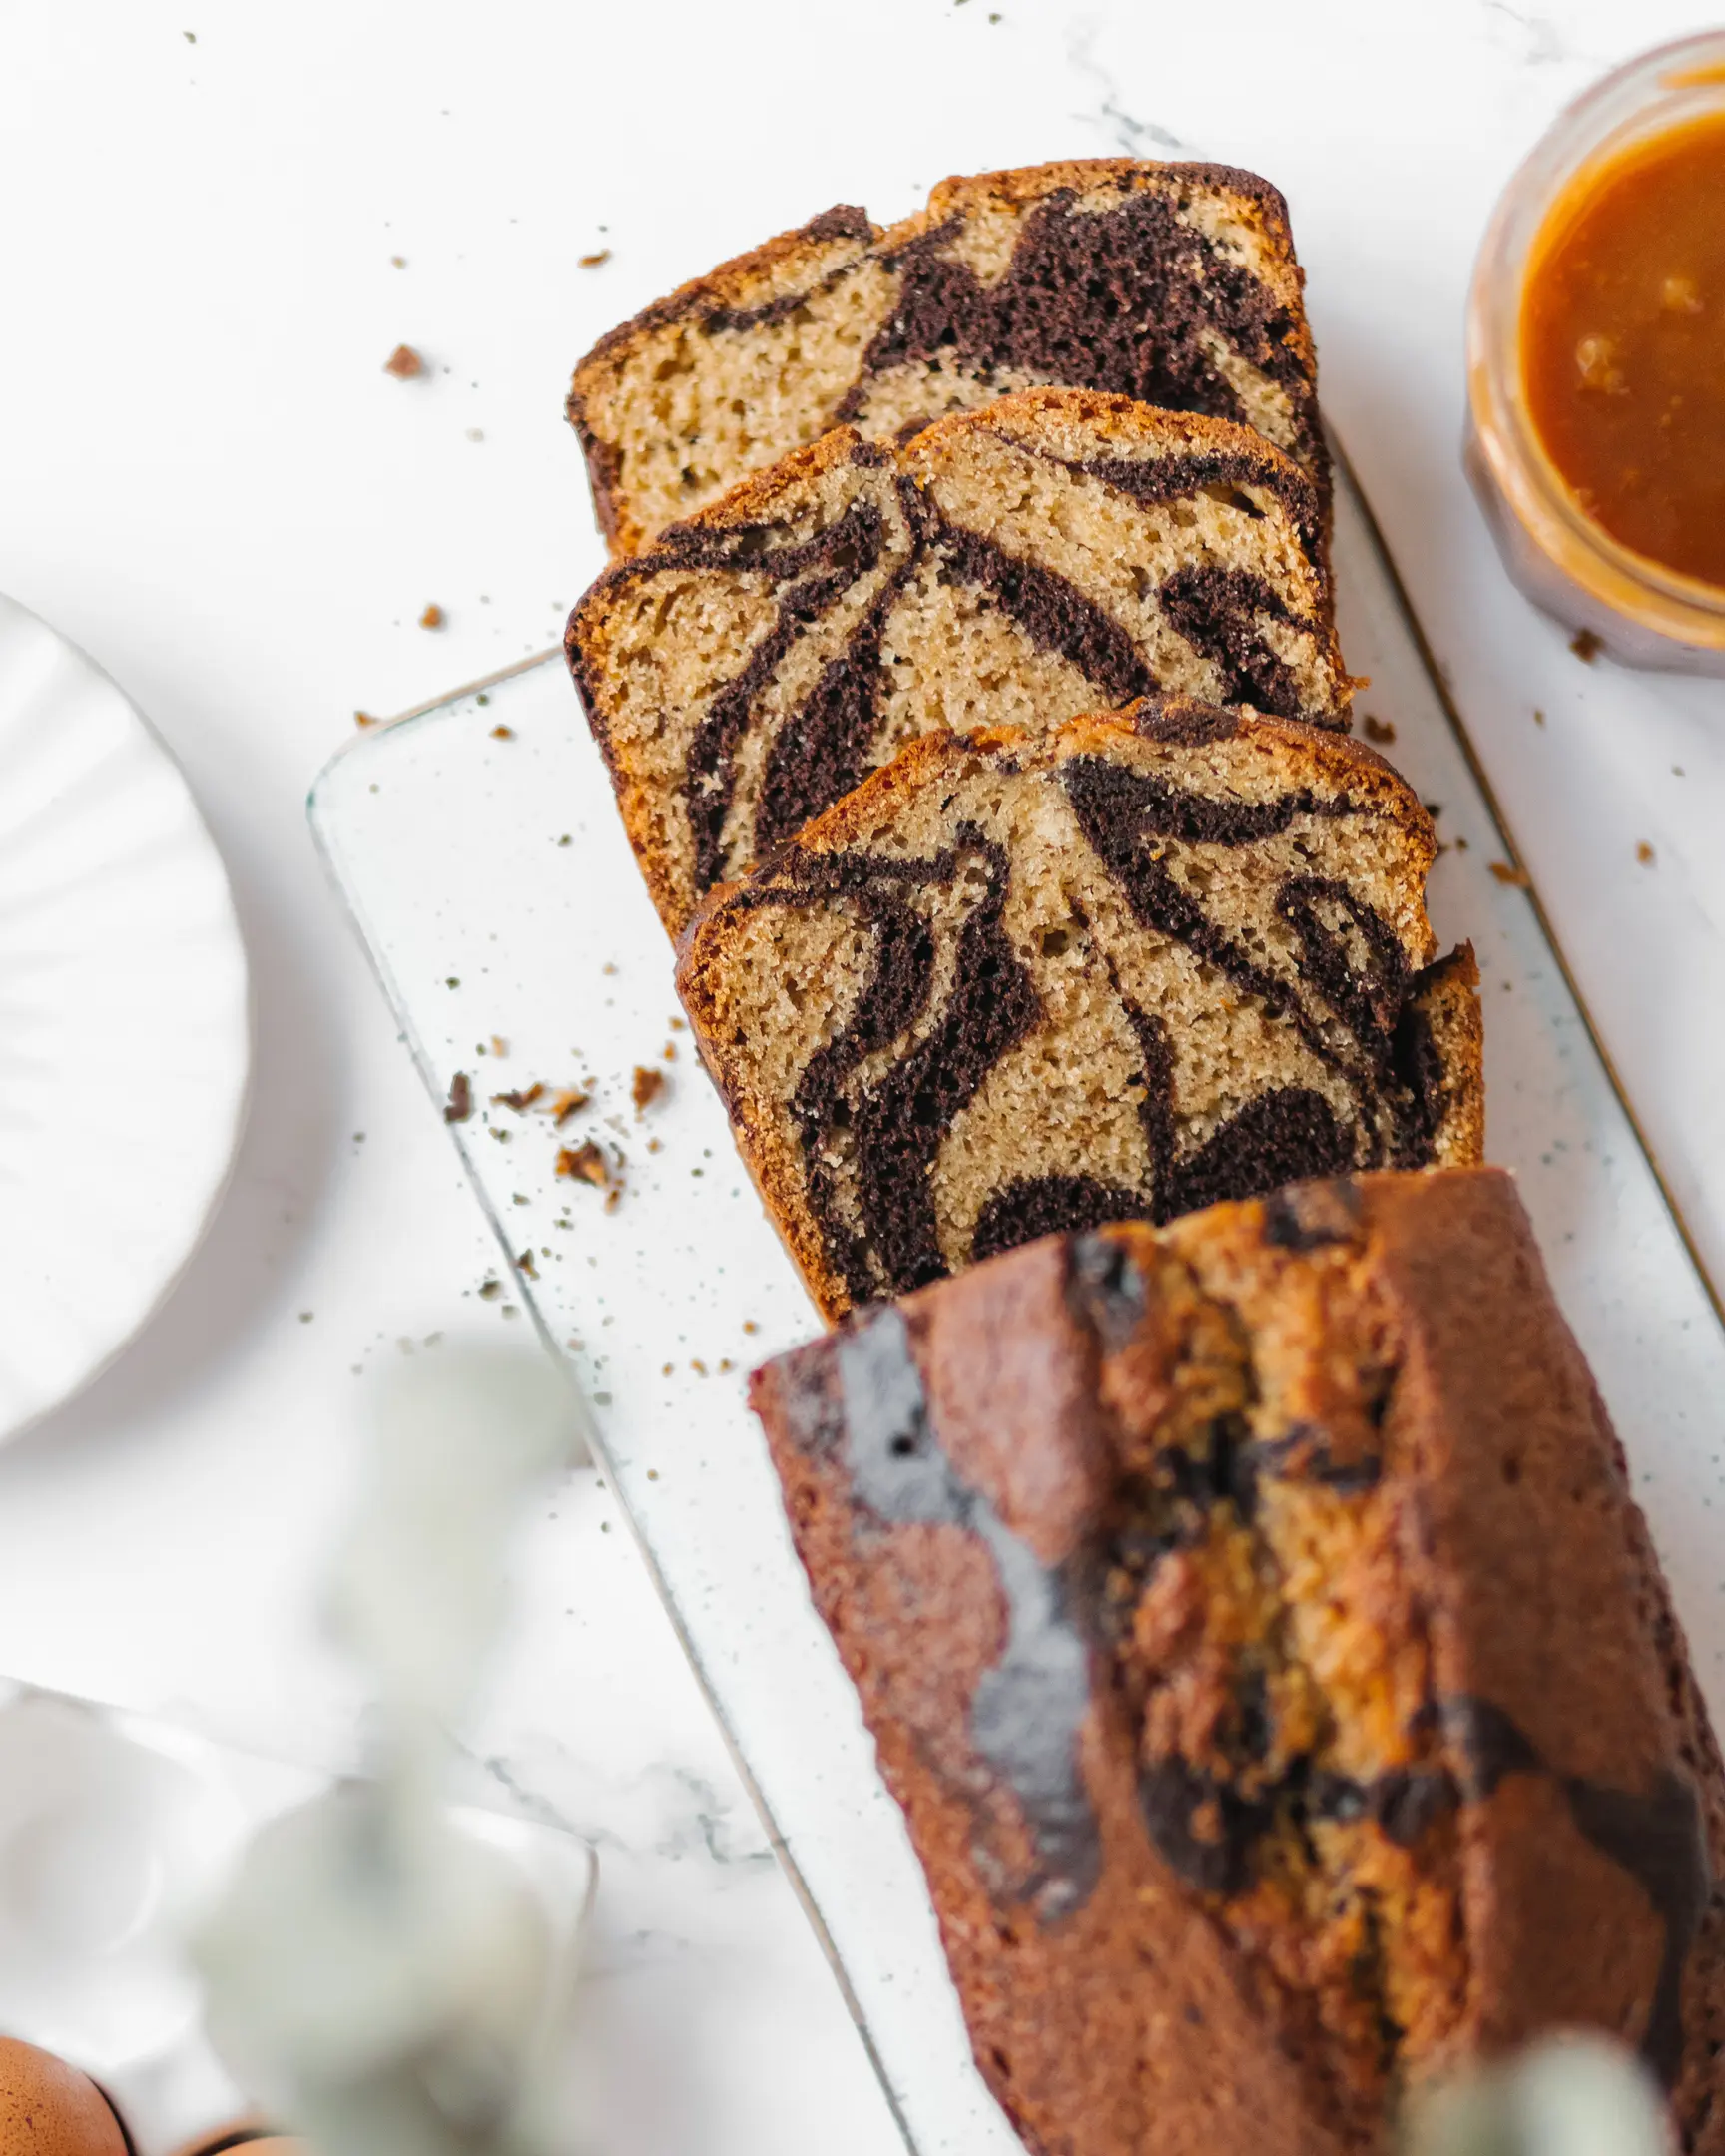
[(476, 845)]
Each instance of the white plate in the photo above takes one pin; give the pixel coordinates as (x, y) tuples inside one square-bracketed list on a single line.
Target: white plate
[(479, 847), (125, 1033)]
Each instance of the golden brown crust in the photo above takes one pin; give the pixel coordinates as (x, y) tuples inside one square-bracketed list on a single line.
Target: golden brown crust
[(1552, 1698)]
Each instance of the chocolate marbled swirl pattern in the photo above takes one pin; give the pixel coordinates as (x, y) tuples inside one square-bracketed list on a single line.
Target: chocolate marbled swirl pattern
[(859, 1402), (1117, 276), (871, 1151), (890, 535)]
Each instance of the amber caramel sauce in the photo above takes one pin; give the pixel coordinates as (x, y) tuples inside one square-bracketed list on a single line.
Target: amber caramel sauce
[(1623, 346)]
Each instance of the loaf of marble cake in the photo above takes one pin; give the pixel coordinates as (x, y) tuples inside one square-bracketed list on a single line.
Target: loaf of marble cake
[(1255, 1623), (1172, 283), (1017, 983), (1055, 553)]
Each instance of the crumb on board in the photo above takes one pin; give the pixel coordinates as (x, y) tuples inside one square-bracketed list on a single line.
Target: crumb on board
[(668, 1368), (1506, 872), (363, 719), (679, 1025), (566, 1101), (1434, 809), (1644, 854), (610, 966), (1586, 646), (403, 363), (460, 1104), (525, 1264), (584, 1164), (1460, 845), (521, 1098), (502, 733), (654, 1145), (1377, 730), (397, 262), (432, 618), (490, 1287), (599, 257), (499, 1046), (748, 1326), (646, 1086), (669, 1052), (697, 1365), (726, 1364), (1538, 717)]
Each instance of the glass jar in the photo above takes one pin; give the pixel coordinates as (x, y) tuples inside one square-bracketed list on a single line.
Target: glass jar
[(1640, 611)]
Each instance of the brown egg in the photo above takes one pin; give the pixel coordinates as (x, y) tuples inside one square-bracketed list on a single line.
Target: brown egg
[(48, 2108)]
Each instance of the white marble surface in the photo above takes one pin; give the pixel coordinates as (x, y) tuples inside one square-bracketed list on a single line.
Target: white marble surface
[(206, 479)]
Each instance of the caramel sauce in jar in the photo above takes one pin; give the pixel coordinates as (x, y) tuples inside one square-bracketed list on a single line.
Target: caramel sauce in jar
[(1596, 364), (1623, 346)]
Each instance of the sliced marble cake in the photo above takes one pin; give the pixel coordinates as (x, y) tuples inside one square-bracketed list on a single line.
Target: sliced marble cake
[(1172, 283), (1256, 1624), (1055, 553), (1013, 984)]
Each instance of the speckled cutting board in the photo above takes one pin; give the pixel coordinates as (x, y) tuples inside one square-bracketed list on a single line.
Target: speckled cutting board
[(476, 843)]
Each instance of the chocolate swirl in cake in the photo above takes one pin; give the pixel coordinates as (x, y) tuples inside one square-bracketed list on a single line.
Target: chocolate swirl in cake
[(1173, 285), (870, 1146), (1202, 1546), (914, 589)]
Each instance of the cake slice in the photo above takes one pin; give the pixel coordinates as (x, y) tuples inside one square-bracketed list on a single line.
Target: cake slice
[(1172, 283), (1255, 1624), (1055, 553), (1013, 984)]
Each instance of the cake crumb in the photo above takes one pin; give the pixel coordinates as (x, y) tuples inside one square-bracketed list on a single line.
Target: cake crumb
[(697, 1365), (1644, 854), (460, 1104), (668, 1368), (669, 1052), (585, 1163), (403, 363), (307, 1316), (679, 1025), (1586, 646), (524, 1263), (499, 1046), (432, 618), (1460, 845), (397, 262), (595, 259), (502, 733), (654, 1145), (490, 1287), (363, 719), (1378, 729), (1538, 717), (646, 1086), (1505, 874), (520, 1099), (748, 1326), (608, 967), (726, 1364), (566, 1102)]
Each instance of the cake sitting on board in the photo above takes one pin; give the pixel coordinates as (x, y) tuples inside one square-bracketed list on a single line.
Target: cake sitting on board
[(1172, 283), (1013, 984), (1055, 553), (1254, 1621)]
